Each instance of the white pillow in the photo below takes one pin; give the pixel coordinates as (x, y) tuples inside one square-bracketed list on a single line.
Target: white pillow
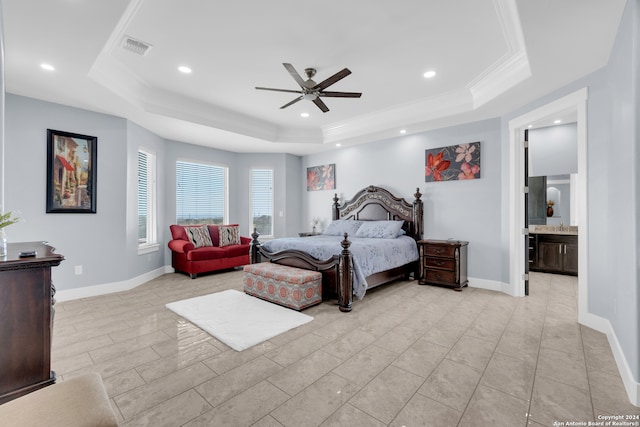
[(380, 229), (229, 235), (338, 227)]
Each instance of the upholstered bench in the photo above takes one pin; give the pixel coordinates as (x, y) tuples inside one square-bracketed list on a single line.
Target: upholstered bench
[(288, 286)]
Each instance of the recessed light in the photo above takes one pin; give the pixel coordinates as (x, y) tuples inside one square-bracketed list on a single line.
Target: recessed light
[(304, 115), (338, 145), (47, 67), (429, 74), (557, 121), (403, 131), (184, 69), (530, 126)]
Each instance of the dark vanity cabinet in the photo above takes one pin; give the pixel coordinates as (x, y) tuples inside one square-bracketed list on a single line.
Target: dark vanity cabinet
[(555, 253), (533, 253)]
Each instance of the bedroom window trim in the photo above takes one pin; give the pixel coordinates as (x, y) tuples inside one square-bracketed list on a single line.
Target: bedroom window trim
[(259, 184), (202, 192), (147, 202)]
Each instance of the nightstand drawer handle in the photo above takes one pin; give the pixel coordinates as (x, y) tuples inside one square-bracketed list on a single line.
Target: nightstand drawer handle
[(439, 263), (438, 251)]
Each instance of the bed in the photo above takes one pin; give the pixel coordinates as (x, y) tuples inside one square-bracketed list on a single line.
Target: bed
[(345, 273)]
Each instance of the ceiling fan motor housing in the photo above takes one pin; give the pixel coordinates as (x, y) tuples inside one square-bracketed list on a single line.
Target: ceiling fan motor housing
[(310, 72)]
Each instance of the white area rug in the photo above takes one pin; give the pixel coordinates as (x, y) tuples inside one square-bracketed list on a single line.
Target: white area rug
[(237, 319)]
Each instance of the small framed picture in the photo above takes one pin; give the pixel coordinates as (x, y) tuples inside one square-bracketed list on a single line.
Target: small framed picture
[(71, 172)]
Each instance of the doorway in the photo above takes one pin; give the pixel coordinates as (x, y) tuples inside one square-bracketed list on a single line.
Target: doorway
[(517, 207)]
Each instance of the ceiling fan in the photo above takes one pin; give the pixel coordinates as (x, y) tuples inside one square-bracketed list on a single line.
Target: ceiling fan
[(313, 91)]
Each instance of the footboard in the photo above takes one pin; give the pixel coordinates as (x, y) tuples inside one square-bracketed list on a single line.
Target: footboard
[(337, 271)]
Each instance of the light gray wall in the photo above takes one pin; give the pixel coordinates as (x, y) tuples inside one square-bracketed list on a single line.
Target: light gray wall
[(137, 138), (286, 171), (465, 210), (294, 220), (615, 257), (105, 244), (553, 150), (612, 194), (97, 242)]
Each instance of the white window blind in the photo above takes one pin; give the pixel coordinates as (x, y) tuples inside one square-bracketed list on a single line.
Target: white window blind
[(201, 193), (146, 199), (262, 201)]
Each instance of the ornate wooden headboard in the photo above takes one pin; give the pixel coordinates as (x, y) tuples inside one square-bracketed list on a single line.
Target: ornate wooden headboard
[(376, 203)]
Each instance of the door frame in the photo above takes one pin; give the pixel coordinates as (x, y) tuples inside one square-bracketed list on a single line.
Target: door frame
[(577, 101)]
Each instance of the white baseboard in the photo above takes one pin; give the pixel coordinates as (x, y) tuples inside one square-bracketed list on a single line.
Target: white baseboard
[(109, 288), (603, 325)]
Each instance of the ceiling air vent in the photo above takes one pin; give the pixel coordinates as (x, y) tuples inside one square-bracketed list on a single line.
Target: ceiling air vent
[(136, 46)]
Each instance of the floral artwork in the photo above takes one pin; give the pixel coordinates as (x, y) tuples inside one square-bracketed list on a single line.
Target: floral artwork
[(321, 177), (452, 163)]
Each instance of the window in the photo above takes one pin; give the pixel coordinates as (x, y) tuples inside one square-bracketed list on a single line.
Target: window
[(147, 206), (201, 193), (262, 201)]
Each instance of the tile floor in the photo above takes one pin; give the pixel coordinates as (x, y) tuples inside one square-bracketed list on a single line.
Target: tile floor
[(407, 355)]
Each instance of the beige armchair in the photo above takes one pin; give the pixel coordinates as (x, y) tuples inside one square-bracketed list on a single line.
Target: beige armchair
[(77, 402)]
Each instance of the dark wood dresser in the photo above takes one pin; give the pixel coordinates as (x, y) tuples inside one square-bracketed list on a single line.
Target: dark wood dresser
[(26, 319), (443, 262)]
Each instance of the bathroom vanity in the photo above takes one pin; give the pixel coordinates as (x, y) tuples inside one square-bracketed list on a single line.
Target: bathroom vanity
[(554, 249)]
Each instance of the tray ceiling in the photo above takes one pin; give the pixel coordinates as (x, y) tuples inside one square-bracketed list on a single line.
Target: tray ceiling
[(490, 56)]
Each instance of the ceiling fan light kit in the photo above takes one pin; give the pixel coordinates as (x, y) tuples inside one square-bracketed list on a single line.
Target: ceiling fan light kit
[(312, 91)]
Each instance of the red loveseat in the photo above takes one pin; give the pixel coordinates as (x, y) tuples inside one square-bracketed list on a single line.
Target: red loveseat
[(185, 257)]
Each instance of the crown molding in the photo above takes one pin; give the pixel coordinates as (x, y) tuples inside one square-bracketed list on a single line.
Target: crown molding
[(399, 116), (512, 68)]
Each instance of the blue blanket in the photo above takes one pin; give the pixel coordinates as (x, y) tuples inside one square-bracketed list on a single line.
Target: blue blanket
[(369, 255)]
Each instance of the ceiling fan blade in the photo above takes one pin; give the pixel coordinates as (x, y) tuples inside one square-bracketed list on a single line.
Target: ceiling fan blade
[(341, 94), (278, 90), (292, 102), (333, 79), (294, 73), (321, 105)]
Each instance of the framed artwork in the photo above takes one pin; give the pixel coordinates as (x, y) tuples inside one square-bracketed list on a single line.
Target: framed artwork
[(71, 172), (321, 177), (452, 163)]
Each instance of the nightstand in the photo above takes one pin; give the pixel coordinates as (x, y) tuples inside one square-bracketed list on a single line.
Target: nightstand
[(444, 263)]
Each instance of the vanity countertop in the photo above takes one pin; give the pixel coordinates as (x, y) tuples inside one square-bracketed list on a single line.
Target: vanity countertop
[(567, 230)]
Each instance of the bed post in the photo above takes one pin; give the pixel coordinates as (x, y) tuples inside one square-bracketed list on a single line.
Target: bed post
[(345, 281), (254, 246), (335, 209), (418, 222)]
